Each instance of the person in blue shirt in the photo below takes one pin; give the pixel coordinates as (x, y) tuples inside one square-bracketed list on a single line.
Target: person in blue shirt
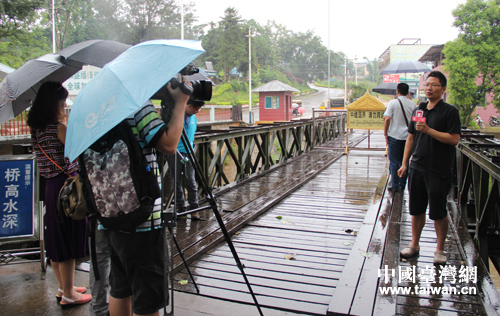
[(178, 168)]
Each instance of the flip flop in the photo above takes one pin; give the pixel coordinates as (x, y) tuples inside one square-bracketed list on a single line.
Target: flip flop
[(66, 302)]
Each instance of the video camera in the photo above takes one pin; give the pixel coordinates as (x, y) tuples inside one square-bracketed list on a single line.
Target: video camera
[(199, 90)]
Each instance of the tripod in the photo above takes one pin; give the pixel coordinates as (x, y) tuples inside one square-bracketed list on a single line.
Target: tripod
[(213, 205)]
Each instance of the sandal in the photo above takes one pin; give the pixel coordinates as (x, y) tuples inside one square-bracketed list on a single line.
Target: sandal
[(66, 302), (409, 252), (439, 257), (78, 289)]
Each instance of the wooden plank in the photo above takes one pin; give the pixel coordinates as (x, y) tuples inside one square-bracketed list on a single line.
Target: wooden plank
[(277, 267), (300, 261), (262, 290), (344, 293), (366, 291), (290, 305), (200, 267), (254, 280), (385, 304), (308, 257)]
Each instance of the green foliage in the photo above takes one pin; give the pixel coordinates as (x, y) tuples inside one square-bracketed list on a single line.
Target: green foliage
[(221, 89), (359, 90), (18, 17), (230, 46), (16, 50), (473, 59)]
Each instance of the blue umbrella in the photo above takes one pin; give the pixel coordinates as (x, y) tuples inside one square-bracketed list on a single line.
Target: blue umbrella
[(122, 87)]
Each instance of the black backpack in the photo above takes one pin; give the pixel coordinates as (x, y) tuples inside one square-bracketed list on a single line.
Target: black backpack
[(120, 188)]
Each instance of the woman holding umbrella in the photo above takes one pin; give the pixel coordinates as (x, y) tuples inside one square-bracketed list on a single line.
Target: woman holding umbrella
[(65, 239)]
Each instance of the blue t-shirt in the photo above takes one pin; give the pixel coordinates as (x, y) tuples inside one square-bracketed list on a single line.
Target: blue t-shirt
[(190, 123)]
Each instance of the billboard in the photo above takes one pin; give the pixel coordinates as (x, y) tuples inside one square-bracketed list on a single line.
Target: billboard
[(76, 82), (408, 52)]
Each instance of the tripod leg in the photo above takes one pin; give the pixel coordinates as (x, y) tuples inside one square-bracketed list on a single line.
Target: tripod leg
[(183, 260), (215, 209)]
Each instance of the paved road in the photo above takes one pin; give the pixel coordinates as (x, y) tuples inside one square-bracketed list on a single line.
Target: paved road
[(315, 100)]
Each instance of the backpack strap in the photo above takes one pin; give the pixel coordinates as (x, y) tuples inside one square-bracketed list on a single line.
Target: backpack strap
[(404, 114), (40, 146), (93, 254)]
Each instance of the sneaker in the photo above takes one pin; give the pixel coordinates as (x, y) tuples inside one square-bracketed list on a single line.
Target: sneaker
[(439, 257)]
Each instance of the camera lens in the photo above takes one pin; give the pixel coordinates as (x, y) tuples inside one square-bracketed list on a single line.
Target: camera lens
[(202, 90)]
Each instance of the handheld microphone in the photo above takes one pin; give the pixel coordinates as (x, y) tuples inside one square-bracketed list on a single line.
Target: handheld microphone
[(419, 114)]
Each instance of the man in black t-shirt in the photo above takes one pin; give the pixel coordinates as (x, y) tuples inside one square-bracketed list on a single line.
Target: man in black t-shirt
[(431, 143)]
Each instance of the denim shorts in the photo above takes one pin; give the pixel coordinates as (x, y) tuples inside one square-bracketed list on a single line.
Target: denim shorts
[(426, 190), (137, 268)]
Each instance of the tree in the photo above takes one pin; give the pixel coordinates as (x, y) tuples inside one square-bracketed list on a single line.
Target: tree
[(304, 55), (135, 21), (231, 48), (21, 37), (18, 17), (372, 68), (473, 59)]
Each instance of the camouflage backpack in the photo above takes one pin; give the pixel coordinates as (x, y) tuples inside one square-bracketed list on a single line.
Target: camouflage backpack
[(120, 187)]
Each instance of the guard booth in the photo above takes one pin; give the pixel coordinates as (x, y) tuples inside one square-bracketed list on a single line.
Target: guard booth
[(275, 101)]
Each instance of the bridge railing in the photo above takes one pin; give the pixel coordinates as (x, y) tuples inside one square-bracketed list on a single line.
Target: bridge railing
[(478, 192), (227, 156)]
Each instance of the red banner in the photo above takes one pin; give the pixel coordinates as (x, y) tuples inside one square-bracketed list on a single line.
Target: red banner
[(391, 78)]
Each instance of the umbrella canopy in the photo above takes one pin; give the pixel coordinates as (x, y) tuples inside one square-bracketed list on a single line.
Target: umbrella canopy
[(94, 52), (405, 66), (122, 87), (5, 70), (389, 88), (19, 87)]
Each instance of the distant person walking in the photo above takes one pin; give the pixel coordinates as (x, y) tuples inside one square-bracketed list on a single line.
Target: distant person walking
[(431, 144), (65, 238), (397, 117)]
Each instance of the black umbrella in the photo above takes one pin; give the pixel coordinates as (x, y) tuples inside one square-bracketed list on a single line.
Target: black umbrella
[(405, 66), (19, 88), (93, 52), (389, 88)]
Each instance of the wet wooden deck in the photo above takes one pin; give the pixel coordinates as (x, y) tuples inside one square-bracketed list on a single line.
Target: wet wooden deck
[(313, 236)]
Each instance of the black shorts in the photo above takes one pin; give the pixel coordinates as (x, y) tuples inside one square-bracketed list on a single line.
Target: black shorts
[(424, 190), (137, 268)]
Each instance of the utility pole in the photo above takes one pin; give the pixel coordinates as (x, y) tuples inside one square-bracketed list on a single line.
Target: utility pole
[(249, 75), (329, 53), (53, 29), (182, 19), (345, 83), (356, 69)]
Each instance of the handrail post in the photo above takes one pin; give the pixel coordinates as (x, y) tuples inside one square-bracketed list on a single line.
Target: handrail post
[(313, 129)]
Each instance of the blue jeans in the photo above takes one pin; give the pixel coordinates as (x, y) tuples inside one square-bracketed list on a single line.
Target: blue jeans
[(99, 289), (396, 152), (187, 172)]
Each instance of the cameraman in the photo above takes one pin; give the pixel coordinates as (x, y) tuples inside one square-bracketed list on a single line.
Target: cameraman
[(178, 166), (137, 259)]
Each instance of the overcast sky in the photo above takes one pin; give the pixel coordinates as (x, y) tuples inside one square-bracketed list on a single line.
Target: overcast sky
[(357, 27)]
